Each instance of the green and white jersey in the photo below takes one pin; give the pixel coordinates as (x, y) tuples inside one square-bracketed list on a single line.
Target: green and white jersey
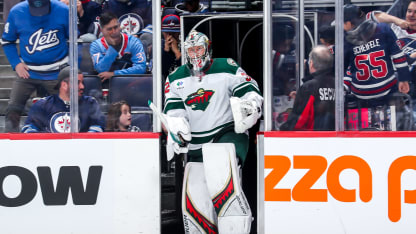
[(204, 101)]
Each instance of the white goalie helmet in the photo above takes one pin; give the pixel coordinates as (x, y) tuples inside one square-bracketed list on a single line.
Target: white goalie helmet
[(198, 51)]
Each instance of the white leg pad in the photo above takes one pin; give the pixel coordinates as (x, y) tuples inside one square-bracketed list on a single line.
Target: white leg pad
[(223, 181), (198, 212)]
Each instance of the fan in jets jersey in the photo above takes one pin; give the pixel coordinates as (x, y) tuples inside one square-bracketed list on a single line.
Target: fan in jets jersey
[(211, 103), (52, 114), (117, 52), (373, 56), (41, 29), (406, 38), (130, 59), (42, 39)]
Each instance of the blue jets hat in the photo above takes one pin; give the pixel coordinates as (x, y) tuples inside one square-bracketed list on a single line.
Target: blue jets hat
[(170, 23), (39, 7)]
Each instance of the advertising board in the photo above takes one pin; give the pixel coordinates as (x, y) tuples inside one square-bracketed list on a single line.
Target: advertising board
[(80, 185), (332, 184)]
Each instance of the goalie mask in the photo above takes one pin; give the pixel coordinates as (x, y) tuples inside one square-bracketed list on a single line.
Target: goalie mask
[(198, 51)]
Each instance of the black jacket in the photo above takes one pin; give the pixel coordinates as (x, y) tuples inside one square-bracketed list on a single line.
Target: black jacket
[(314, 107)]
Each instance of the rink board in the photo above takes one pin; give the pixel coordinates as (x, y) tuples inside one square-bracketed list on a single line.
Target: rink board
[(337, 183), (120, 183)]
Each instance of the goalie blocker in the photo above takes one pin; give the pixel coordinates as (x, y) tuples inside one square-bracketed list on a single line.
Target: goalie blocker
[(212, 198)]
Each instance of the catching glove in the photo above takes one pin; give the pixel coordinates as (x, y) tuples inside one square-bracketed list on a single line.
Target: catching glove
[(245, 113)]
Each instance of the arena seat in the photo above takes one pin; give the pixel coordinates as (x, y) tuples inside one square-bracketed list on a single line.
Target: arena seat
[(142, 118), (135, 89), (92, 87), (85, 62)]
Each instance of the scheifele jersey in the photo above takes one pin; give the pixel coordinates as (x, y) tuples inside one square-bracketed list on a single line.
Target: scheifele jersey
[(372, 65), (204, 101)]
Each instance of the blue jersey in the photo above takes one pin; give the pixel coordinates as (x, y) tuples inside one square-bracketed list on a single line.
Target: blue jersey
[(372, 65), (130, 59), (51, 114), (92, 12), (143, 8), (406, 38), (42, 39)]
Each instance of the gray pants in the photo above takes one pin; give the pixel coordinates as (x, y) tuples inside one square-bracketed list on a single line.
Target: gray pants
[(21, 91)]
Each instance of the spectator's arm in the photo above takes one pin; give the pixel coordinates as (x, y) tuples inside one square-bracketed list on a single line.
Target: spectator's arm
[(398, 57), (10, 50), (382, 17), (9, 39), (90, 15), (411, 59), (138, 59), (102, 62), (347, 81)]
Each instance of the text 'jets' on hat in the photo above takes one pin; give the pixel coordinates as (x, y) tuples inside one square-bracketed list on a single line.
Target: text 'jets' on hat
[(39, 7)]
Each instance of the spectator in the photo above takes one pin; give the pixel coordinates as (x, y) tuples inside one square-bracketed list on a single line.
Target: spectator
[(284, 72), (405, 30), (52, 114), (327, 37), (41, 26), (284, 76), (372, 56), (119, 118), (171, 55), (146, 37), (132, 14), (88, 12), (116, 53), (314, 107), (191, 6)]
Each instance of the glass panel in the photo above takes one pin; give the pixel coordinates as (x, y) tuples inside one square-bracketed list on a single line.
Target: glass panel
[(36, 49), (378, 78), (115, 56), (302, 67)]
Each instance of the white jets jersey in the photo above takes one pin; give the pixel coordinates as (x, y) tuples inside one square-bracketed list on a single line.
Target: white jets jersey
[(406, 39), (204, 101)]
